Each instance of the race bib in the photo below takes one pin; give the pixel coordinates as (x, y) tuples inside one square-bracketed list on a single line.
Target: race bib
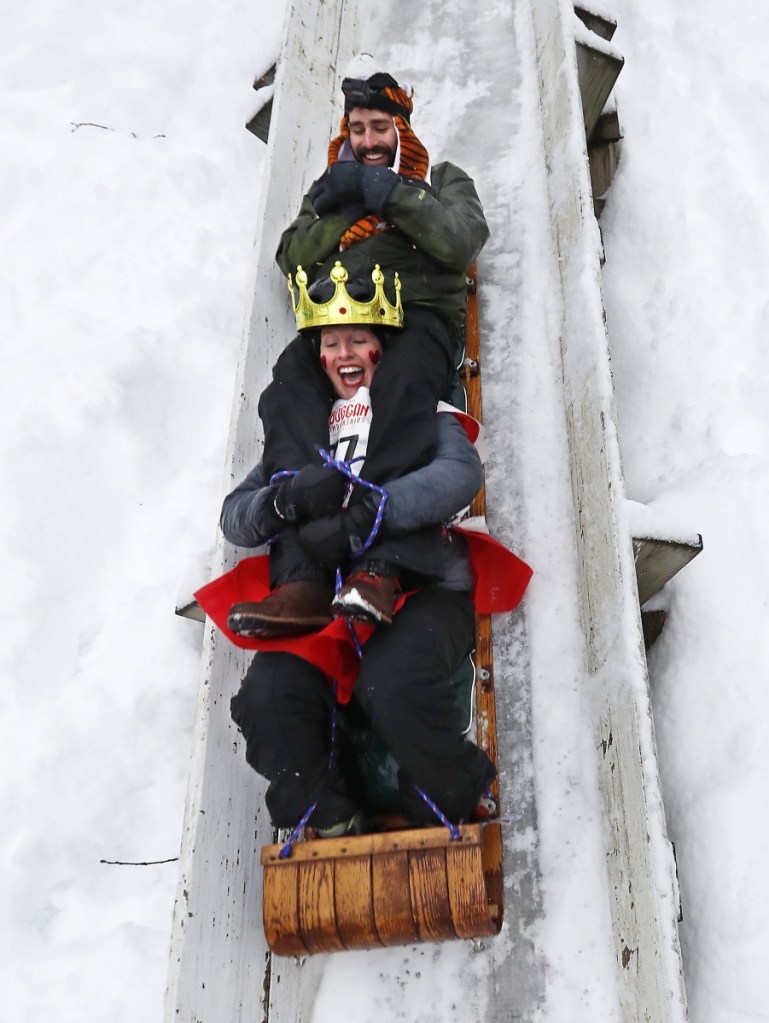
[(348, 426)]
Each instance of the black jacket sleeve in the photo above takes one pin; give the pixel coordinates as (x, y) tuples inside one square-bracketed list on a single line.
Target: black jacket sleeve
[(248, 517)]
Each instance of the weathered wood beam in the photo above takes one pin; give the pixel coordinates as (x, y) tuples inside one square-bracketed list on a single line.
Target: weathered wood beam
[(192, 610), (653, 623), (603, 160), (597, 71), (607, 129), (598, 23), (259, 124), (657, 561)]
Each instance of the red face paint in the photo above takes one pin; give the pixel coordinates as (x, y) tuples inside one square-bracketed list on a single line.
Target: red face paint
[(323, 362), (374, 357)]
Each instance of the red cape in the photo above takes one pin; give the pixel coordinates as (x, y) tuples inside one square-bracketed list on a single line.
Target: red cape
[(500, 576), (501, 579)]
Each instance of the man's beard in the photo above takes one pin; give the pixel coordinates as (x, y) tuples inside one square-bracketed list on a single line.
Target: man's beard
[(361, 153)]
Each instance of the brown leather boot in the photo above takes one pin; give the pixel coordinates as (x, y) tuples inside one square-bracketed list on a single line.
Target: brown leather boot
[(366, 597), (291, 610)]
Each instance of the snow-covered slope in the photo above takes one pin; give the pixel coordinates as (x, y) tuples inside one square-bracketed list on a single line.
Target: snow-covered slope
[(129, 190)]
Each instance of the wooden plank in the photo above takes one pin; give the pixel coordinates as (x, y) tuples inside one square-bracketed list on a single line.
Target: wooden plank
[(596, 72), (604, 160), (467, 893), (491, 853), (486, 707), (391, 893), (268, 78), (280, 911), (604, 149), (470, 373), (317, 910), (353, 894), (653, 622), (365, 845), (191, 610), (657, 561), (607, 128), (485, 700), (259, 124), (486, 711), (430, 895), (598, 23)]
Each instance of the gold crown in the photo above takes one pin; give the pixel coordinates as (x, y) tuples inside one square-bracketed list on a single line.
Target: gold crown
[(342, 309)]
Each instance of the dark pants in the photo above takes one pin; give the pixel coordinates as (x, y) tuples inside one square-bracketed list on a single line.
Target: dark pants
[(407, 386), (284, 712)]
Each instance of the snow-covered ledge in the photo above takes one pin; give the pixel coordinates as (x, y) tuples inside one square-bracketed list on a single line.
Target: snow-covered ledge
[(218, 952), (642, 880)]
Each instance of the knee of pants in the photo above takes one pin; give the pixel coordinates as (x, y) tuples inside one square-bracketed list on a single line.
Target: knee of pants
[(276, 684), (421, 707), (410, 373), (425, 349), (249, 704)]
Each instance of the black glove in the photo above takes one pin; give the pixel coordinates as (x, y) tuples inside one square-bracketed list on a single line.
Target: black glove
[(314, 491), (332, 539), (377, 184), (354, 210), (340, 184), (321, 198), (265, 520)]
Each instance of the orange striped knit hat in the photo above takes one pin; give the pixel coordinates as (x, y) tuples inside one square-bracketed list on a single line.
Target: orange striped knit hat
[(380, 92)]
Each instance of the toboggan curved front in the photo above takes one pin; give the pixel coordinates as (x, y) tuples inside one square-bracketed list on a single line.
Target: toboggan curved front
[(395, 888)]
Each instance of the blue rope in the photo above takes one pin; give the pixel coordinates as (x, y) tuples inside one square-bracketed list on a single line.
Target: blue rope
[(283, 474), (350, 626), (285, 852), (453, 828), (344, 468)]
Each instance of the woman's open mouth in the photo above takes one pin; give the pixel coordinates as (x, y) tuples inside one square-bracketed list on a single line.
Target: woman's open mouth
[(351, 376)]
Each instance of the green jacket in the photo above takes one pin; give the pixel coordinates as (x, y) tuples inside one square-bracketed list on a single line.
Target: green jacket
[(437, 232)]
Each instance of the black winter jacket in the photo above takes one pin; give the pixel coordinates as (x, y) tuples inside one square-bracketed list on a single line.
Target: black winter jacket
[(427, 496)]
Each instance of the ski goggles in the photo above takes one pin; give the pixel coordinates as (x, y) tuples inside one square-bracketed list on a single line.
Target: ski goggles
[(372, 94)]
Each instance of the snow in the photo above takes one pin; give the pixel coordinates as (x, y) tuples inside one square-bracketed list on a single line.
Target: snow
[(686, 230), (130, 190)]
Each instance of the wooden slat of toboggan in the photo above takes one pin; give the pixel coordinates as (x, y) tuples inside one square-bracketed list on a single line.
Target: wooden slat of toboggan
[(484, 663)]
